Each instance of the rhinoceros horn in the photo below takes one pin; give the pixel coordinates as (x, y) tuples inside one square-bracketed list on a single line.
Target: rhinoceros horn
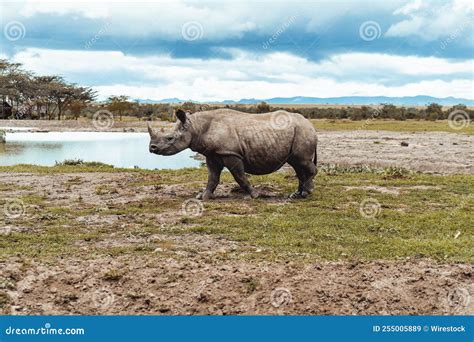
[(151, 131), (154, 132)]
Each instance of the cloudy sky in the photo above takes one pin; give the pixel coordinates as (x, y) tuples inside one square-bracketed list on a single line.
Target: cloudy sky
[(246, 49)]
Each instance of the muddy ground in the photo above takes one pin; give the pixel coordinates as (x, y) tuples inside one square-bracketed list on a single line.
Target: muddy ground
[(209, 278), (201, 284)]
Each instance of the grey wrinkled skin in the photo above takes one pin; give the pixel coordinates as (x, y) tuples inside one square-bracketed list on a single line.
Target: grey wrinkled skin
[(243, 143)]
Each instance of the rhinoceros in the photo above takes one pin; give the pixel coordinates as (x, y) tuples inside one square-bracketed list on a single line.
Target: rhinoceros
[(243, 143)]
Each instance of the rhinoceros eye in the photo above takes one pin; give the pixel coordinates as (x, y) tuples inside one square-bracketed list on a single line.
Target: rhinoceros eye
[(169, 138)]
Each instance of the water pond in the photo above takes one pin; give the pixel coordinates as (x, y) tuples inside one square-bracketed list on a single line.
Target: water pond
[(118, 149)]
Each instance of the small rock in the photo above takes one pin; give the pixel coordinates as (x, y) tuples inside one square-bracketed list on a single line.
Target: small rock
[(404, 143)]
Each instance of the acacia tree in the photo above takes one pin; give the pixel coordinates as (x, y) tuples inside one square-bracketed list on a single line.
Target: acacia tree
[(72, 94), (13, 79), (46, 94), (44, 101), (434, 111), (118, 104), (76, 107)]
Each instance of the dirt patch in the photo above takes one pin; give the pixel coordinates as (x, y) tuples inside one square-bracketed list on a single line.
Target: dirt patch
[(381, 189), (102, 188), (391, 191), (164, 285), (432, 152)]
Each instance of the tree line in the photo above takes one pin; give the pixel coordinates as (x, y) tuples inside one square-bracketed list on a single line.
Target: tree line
[(28, 95), (432, 111)]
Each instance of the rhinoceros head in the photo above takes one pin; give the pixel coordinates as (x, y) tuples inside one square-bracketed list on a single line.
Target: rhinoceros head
[(170, 142)]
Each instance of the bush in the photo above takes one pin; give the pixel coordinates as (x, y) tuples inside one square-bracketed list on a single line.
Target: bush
[(263, 107), (81, 163)]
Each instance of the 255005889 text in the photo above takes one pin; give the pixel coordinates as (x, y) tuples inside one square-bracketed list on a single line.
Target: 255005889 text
[(397, 328)]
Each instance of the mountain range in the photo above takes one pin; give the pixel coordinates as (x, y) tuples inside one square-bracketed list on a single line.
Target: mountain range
[(419, 100)]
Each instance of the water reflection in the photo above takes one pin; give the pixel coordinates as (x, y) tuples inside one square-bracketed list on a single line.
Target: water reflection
[(118, 149)]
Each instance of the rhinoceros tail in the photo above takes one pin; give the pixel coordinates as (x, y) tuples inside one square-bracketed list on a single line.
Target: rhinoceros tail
[(315, 158)]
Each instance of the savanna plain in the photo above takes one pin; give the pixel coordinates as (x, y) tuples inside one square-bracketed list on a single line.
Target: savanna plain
[(388, 230)]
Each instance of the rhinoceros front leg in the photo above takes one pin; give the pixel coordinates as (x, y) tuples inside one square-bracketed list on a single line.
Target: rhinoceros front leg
[(214, 169), (237, 169)]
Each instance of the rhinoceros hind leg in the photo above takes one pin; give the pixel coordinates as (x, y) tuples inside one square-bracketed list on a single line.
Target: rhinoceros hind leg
[(237, 169), (305, 171)]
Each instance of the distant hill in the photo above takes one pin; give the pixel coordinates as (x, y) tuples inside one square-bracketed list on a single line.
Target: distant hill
[(419, 100), (148, 101)]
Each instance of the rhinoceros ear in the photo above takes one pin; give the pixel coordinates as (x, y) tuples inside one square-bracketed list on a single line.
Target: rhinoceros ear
[(181, 115)]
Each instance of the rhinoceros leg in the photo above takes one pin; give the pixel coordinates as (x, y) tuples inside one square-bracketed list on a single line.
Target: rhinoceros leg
[(305, 171), (237, 169), (214, 169)]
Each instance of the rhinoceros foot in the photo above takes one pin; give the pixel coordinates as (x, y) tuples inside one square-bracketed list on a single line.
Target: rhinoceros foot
[(298, 195), (254, 194), (205, 195)]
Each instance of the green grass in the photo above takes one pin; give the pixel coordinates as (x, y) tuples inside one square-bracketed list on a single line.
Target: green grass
[(431, 217), (389, 125), (417, 223), (68, 168)]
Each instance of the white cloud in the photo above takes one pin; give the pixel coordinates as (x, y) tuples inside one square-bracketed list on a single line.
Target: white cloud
[(260, 76), (431, 20), (164, 18), (155, 19), (219, 19), (410, 7), (379, 65), (319, 87), (87, 9)]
